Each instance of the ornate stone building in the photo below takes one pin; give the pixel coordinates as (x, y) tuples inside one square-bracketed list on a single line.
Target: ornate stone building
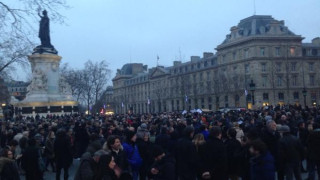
[(260, 62)]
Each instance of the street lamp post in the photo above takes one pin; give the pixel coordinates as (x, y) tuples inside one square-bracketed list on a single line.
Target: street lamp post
[(304, 93), (252, 89)]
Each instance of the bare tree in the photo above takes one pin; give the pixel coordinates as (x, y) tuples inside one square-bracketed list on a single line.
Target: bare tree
[(17, 32), (96, 77)]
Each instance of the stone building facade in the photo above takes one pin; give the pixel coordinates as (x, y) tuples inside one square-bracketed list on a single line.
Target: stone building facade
[(260, 62)]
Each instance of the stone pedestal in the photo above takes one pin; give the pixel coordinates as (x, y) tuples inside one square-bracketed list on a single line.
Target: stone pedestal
[(48, 92)]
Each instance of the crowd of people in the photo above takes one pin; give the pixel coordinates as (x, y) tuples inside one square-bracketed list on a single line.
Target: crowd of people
[(282, 141)]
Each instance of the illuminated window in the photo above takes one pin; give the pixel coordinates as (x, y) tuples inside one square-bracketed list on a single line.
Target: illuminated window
[(292, 51)]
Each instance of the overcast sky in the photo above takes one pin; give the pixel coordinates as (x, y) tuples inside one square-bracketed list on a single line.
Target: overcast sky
[(124, 31)]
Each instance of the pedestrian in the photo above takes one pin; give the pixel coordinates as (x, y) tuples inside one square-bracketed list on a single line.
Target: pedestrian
[(290, 154), (262, 163), (8, 168), (163, 167), (31, 161), (49, 151), (106, 168), (63, 154), (186, 156), (132, 152)]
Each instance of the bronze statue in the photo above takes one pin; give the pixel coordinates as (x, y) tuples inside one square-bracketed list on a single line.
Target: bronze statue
[(44, 35), (44, 32)]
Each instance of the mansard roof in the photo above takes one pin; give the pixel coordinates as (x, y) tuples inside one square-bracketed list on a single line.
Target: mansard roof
[(258, 25)]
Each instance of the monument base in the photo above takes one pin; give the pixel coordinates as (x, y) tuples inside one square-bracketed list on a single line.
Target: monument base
[(45, 108)]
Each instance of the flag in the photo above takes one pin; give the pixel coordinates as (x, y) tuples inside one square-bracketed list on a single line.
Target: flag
[(186, 98), (122, 105), (104, 106), (245, 92), (148, 100)]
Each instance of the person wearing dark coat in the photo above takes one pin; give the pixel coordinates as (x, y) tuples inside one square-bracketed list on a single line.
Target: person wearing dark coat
[(186, 156), (63, 153), (88, 167), (216, 161), (30, 161), (120, 157), (262, 163), (290, 154), (163, 167), (106, 168), (163, 139), (8, 168), (233, 147), (271, 138), (145, 151), (313, 144)]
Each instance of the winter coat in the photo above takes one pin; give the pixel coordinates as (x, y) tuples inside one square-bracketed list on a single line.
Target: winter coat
[(63, 152), (8, 169), (216, 159), (133, 156), (187, 158), (166, 168), (120, 159), (271, 140), (313, 144), (87, 168), (30, 163), (233, 148), (290, 149), (262, 167), (48, 150)]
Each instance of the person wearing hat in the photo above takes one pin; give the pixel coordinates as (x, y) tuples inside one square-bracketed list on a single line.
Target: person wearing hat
[(290, 153), (163, 167)]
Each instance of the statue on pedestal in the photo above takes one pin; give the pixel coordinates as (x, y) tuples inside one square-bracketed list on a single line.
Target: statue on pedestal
[(44, 35)]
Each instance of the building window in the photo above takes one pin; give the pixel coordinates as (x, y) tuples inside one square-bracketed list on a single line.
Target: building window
[(223, 58), (265, 96), (314, 52), (209, 99), (262, 51), (246, 68), (226, 98), (205, 64), (295, 95), (294, 80), (263, 67), (293, 66), (279, 81), (246, 53), (292, 51), (192, 67), (201, 76), (311, 66), (264, 81), (198, 65), (277, 51), (278, 67), (202, 100), (311, 78), (281, 96), (234, 54)]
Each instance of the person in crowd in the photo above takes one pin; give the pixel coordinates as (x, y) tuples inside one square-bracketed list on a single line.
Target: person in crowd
[(199, 141), (63, 154), (113, 145), (106, 168), (163, 167), (186, 156), (89, 165), (271, 138), (262, 163), (215, 158), (240, 133), (313, 146), (31, 161), (290, 154), (49, 151), (233, 147), (132, 152), (145, 151), (8, 168), (163, 139)]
